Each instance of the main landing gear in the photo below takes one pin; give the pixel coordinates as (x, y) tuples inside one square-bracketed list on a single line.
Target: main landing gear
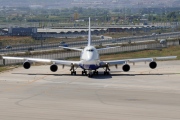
[(84, 72), (106, 72), (90, 73), (73, 72), (95, 72)]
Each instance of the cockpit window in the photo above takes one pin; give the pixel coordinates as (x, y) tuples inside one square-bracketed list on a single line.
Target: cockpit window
[(90, 50)]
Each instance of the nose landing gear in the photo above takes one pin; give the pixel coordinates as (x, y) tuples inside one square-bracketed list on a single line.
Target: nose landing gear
[(90, 74)]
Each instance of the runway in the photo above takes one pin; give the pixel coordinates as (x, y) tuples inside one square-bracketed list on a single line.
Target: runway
[(141, 94)]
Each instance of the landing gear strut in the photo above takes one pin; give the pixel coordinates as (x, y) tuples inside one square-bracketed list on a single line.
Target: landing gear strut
[(73, 72), (95, 72), (106, 72), (84, 72)]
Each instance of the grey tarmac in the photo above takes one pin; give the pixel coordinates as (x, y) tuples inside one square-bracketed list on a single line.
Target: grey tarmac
[(141, 94)]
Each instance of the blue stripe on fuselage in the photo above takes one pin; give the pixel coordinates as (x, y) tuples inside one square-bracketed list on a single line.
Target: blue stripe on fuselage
[(89, 67)]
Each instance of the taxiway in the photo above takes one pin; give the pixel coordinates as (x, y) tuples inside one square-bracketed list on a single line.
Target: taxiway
[(141, 94)]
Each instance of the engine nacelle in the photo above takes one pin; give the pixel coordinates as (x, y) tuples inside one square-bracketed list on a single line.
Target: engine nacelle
[(53, 68), (26, 65), (126, 68), (153, 65)]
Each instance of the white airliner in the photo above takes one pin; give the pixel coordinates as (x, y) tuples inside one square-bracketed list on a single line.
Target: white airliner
[(89, 60)]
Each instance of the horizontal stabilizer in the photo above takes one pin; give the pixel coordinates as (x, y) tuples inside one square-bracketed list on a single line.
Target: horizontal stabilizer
[(107, 48), (69, 48)]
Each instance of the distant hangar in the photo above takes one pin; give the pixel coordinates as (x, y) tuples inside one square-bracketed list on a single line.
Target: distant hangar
[(31, 31), (69, 30), (95, 30)]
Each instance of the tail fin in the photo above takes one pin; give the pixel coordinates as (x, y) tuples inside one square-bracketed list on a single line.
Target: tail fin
[(89, 33)]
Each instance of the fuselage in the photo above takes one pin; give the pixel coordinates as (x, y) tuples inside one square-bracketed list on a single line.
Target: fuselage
[(89, 58)]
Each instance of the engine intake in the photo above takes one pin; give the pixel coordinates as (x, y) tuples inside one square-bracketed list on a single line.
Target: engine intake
[(26, 65), (126, 68), (153, 65), (53, 68)]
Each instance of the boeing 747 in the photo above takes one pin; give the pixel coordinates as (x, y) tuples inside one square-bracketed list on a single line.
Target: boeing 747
[(89, 60)]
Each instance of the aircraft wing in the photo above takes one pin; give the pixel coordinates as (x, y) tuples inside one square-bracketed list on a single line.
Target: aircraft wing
[(121, 62), (58, 62)]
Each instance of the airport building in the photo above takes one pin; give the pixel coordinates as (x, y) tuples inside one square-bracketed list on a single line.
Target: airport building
[(39, 33), (19, 31)]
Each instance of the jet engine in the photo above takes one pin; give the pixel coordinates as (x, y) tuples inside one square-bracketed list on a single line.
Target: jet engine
[(26, 65), (53, 68), (126, 68), (153, 65)]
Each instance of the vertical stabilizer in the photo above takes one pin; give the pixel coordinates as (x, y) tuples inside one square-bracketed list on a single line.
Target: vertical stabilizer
[(89, 33)]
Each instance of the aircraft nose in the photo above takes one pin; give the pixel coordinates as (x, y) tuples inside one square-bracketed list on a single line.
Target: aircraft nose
[(89, 58)]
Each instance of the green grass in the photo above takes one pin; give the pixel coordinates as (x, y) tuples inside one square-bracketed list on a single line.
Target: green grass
[(5, 68), (2, 69)]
